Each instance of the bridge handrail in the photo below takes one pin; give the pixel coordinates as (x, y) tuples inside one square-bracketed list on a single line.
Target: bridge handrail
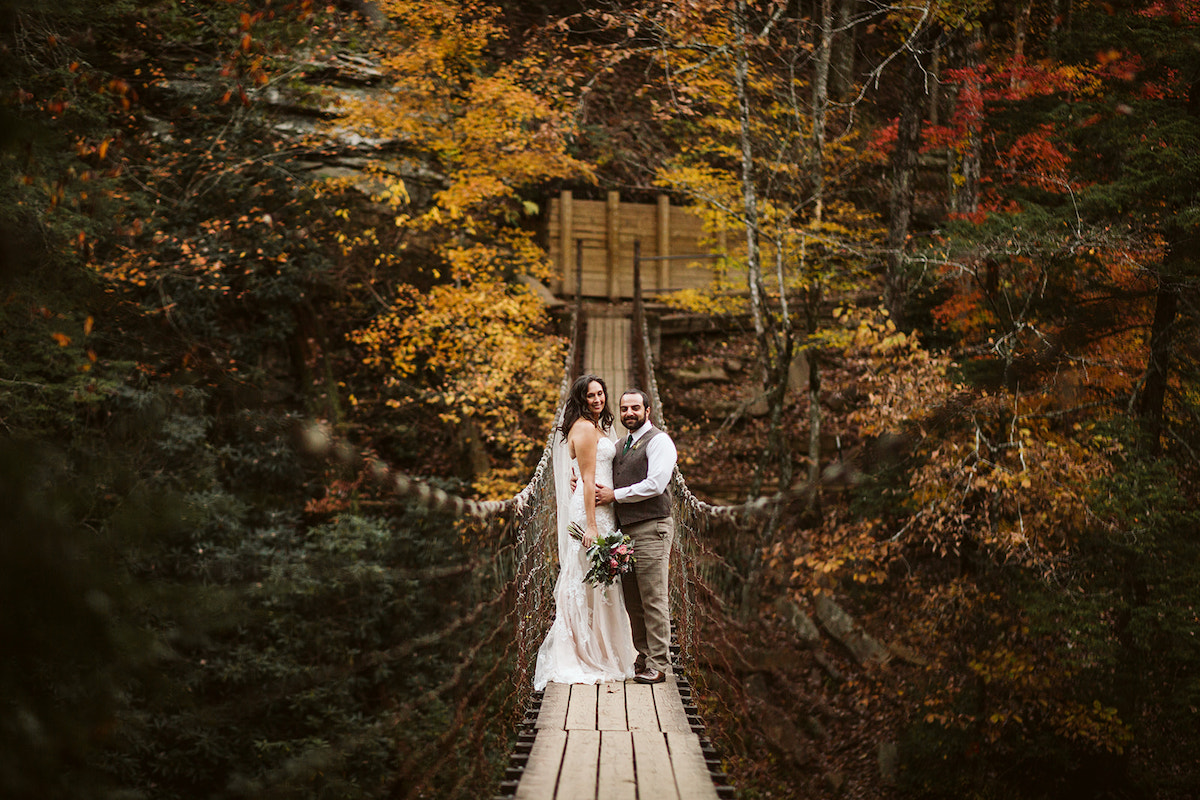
[(685, 495), (316, 439)]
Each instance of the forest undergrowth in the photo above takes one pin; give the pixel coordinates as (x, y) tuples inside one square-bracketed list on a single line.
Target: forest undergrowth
[(987, 644)]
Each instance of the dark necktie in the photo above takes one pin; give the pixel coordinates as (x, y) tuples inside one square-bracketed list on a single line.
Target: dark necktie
[(628, 444)]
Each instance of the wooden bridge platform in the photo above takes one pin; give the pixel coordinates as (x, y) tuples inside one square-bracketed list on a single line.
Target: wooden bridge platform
[(616, 741), (620, 740), (607, 354)]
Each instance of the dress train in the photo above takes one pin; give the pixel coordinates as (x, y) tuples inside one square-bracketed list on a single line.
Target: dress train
[(590, 640)]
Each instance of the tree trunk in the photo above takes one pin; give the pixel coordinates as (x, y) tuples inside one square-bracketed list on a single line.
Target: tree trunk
[(310, 331), (820, 107), (1162, 334), (783, 362), (769, 342), (935, 83), (842, 61), (814, 431), (967, 196), (904, 169), (1020, 32), (812, 311), (749, 194), (966, 193)]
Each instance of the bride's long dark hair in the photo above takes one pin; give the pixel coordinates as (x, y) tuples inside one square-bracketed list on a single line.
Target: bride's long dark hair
[(576, 405)]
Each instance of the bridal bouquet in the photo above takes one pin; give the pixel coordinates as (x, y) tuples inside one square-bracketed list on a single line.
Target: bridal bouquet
[(610, 557)]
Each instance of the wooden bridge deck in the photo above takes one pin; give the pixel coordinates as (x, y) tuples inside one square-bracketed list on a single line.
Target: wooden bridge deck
[(607, 354), (615, 741)]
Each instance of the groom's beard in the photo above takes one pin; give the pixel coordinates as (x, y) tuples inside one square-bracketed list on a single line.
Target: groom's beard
[(632, 421)]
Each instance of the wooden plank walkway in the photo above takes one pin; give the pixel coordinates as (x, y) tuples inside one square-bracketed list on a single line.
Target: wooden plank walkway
[(620, 740), (607, 353), (615, 741)]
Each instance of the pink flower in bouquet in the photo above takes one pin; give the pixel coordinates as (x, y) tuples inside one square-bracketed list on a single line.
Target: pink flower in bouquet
[(610, 557)]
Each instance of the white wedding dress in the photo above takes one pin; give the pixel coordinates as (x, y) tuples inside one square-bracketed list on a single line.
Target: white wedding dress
[(590, 640)]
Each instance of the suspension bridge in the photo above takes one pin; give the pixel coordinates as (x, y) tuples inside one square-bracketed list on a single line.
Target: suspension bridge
[(615, 740), (578, 742)]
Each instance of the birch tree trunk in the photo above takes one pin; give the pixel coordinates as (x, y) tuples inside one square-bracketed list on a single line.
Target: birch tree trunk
[(781, 441), (772, 331), (820, 113), (749, 192), (820, 109)]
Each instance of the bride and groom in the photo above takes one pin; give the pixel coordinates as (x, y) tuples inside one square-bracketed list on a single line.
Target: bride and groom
[(621, 631)]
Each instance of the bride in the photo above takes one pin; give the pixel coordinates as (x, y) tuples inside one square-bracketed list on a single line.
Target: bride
[(590, 640)]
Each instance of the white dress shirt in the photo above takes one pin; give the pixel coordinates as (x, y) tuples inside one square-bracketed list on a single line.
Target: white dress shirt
[(661, 457)]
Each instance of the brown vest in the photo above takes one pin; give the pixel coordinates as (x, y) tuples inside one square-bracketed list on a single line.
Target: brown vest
[(628, 469)]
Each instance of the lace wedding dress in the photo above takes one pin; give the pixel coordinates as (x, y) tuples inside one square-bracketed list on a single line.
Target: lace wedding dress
[(590, 640)]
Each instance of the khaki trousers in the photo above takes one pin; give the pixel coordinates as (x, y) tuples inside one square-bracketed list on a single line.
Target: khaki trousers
[(645, 591)]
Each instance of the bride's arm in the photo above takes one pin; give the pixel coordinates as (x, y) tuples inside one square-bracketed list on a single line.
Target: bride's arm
[(583, 438)]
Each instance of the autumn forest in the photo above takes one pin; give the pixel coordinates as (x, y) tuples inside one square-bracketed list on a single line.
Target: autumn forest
[(954, 334)]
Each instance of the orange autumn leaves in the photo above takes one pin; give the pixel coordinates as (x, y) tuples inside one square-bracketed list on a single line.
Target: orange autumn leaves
[(1011, 476), (65, 340)]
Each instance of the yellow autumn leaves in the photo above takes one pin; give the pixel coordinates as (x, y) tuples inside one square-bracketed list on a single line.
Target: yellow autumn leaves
[(472, 340)]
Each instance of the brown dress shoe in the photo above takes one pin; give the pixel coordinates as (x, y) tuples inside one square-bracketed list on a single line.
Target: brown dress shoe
[(650, 675)]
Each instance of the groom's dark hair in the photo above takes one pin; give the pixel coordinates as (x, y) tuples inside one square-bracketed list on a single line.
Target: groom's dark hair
[(635, 390)]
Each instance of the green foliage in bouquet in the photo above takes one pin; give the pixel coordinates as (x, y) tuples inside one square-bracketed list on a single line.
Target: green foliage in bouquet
[(608, 557)]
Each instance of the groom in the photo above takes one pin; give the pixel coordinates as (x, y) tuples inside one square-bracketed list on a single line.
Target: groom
[(642, 471)]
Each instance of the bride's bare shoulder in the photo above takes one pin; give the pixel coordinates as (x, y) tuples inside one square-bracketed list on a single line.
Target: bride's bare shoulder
[(584, 427), (583, 434)]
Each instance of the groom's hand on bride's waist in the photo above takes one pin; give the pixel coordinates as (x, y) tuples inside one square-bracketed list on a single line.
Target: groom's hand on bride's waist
[(604, 494)]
